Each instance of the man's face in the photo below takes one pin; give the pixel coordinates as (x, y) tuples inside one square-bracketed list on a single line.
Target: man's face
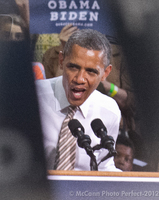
[(82, 72), (11, 32), (17, 33), (124, 158)]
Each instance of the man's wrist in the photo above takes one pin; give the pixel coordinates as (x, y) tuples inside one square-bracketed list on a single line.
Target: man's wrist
[(113, 90)]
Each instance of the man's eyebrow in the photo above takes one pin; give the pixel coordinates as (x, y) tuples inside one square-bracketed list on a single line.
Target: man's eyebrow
[(93, 70), (89, 69), (73, 65)]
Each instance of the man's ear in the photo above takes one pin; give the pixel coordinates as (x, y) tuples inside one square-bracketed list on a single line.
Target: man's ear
[(61, 58), (106, 72)]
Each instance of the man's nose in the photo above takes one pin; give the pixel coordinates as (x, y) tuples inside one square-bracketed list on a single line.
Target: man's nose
[(80, 77)]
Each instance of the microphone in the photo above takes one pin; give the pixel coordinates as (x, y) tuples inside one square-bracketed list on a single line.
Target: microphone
[(83, 141), (100, 131), (77, 131)]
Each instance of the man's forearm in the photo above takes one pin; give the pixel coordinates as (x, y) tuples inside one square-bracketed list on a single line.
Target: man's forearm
[(118, 94)]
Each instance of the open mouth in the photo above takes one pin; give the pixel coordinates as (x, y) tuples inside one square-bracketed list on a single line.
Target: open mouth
[(78, 93)]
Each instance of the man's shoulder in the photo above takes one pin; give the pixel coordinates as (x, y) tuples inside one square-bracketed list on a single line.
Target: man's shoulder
[(43, 86), (102, 97), (105, 102), (48, 85)]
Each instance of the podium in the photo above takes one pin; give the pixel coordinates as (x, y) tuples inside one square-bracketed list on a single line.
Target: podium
[(68, 185)]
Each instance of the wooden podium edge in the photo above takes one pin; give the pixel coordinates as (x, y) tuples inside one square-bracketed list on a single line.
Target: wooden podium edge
[(101, 173)]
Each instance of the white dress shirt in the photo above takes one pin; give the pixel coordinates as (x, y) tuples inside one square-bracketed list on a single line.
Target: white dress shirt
[(53, 107)]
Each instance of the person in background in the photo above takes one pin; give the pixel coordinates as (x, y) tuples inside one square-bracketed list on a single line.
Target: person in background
[(39, 71), (125, 153), (23, 7), (12, 27), (119, 86), (14, 17), (85, 62), (50, 59)]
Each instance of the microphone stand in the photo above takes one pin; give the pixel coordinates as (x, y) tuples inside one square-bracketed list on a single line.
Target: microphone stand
[(84, 142), (93, 162), (107, 144), (109, 155)]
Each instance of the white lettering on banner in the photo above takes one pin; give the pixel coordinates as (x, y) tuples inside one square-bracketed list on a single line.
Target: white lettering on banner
[(75, 24), (93, 16), (54, 16), (73, 5), (62, 5), (73, 15), (66, 23), (63, 16), (52, 4), (83, 16), (84, 5), (95, 5)]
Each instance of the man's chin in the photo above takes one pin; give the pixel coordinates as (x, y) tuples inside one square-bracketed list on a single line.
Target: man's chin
[(120, 167), (76, 102)]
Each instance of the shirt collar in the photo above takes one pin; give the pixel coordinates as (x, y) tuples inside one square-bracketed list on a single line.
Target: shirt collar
[(86, 105)]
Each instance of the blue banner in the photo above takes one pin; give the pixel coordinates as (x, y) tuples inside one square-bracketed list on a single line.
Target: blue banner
[(50, 16)]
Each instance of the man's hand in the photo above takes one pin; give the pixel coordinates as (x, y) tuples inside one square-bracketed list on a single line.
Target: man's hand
[(66, 32)]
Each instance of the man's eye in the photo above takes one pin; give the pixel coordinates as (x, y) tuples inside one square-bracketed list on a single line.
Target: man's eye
[(92, 71), (127, 159), (72, 67)]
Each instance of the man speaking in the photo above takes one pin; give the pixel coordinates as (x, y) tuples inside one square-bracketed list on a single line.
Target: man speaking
[(85, 61)]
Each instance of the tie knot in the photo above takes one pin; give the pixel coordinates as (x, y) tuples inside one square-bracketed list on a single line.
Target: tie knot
[(70, 108), (71, 111)]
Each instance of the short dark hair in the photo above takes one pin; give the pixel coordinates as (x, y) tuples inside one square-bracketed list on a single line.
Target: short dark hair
[(124, 140), (92, 40)]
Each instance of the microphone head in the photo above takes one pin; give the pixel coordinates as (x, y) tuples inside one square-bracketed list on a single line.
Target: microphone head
[(98, 126), (74, 126)]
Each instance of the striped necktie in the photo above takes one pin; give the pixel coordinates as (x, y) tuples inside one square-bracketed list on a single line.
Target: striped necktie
[(66, 151)]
